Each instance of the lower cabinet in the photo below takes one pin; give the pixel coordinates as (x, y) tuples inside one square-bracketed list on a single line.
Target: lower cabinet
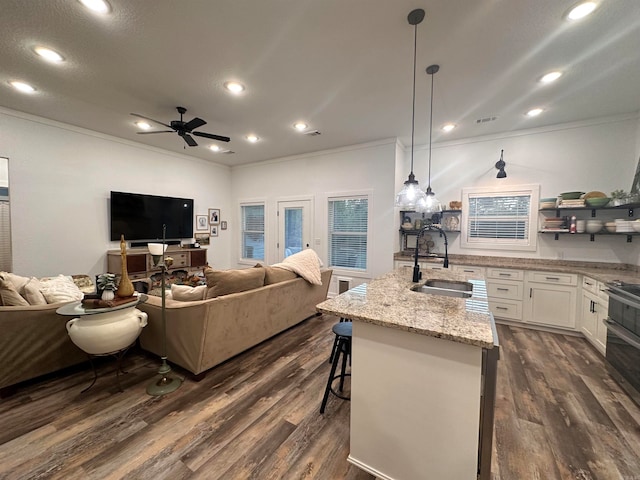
[(594, 310), (505, 291), (551, 299)]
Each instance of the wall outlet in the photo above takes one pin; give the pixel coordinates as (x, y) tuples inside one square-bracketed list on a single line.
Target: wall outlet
[(317, 242)]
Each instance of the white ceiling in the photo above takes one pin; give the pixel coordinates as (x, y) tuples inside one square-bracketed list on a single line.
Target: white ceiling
[(343, 66)]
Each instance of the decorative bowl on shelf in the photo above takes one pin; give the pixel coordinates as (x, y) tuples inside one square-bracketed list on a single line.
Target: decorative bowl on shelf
[(593, 226), (571, 195), (597, 202), (594, 194), (611, 227)]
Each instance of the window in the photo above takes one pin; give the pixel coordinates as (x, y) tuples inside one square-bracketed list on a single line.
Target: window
[(500, 218), (253, 232), (348, 229)]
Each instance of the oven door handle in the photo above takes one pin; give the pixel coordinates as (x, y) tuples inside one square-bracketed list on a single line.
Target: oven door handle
[(623, 333), (624, 300)]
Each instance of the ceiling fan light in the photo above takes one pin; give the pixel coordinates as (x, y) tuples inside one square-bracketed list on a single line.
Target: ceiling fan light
[(143, 125), (48, 54), (98, 6), (234, 87), (252, 138), (300, 126), (215, 148), (22, 87)]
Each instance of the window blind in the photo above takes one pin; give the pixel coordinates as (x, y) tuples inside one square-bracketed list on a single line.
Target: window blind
[(5, 237), (499, 217), (348, 232), (253, 232)]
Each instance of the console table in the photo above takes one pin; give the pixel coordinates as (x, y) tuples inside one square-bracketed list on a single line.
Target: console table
[(140, 264)]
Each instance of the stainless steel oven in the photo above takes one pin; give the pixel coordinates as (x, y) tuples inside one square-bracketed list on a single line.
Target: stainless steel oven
[(623, 336)]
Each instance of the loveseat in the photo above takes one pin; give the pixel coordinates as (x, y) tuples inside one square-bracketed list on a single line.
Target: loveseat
[(204, 333), (34, 340)]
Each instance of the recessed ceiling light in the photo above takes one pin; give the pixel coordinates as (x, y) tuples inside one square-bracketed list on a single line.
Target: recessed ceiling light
[(252, 138), (581, 10), (534, 112), (143, 125), (300, 126), (98, 6), (215, 148), (448, 127), (23, 87), (48, 54), (234, 87), (550, 77)]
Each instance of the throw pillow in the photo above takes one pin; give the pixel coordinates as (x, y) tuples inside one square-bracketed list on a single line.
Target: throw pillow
[(18, 281), (9, 295), (186, 293), (31, 291), (224, 282), (61, 289), (276, 274)]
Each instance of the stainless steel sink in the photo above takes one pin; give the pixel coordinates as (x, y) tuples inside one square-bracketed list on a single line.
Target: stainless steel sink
[(446, 288)]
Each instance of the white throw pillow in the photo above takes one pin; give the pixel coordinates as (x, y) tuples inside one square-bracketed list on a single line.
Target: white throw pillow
[(60, 289), (186, 293), (31, 291)]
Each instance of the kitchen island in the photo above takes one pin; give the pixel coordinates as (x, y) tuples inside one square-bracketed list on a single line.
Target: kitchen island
[(418, 391)]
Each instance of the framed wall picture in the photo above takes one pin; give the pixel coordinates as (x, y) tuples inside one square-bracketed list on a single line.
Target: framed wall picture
[(214, 216), (202, 238), (223, 225), (202, 223), (214, 230)]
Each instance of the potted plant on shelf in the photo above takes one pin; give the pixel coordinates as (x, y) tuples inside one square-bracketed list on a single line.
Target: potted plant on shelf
[(618, 197), (107, 285)]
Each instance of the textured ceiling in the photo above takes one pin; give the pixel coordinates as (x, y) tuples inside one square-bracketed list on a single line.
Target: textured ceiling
[(343, 66)]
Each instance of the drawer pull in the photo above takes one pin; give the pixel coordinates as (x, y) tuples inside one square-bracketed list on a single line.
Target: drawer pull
[(552, 278), (502, 308), (502, 289), (468, 271), (588, 283), (504, 274)]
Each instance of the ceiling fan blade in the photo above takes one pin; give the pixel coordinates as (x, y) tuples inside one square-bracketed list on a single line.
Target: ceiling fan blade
[(211, 136), (155, 131), (189, 139), (150, 119), (195, 123)]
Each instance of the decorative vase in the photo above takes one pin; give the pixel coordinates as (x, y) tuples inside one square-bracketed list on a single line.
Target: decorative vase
[(102, 333), (125, 288), (107, 295)]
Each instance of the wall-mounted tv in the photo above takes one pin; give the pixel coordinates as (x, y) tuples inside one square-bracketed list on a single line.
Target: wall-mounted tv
[(140, 217)]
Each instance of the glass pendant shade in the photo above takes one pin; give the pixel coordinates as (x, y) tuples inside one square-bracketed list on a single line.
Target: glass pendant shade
[(411, 197), (432, 204)]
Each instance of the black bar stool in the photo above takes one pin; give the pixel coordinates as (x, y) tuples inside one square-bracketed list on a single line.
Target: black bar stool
[(342, 331)]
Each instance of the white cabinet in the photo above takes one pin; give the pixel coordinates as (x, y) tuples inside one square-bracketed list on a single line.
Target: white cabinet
[(505, 289), (469, 270), (551, 299), (595, 305)]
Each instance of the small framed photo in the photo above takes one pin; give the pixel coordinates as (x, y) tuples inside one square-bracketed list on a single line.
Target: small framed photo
[(202, 238), (214, 216), (223, 225), (214, 230), (201, 223)]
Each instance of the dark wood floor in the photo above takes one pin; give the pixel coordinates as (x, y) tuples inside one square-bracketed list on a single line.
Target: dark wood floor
[(559, 416)]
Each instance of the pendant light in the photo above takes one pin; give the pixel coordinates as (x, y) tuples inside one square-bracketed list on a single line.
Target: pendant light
[(432, 204), (411, 197), (500, 166)]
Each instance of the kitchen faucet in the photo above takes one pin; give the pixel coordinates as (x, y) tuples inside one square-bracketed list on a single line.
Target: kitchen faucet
[(416, 268)]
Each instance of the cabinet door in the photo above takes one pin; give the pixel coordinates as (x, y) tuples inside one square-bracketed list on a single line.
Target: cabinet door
[(198, 258), (588, 318), (600, 339), (553, 305)]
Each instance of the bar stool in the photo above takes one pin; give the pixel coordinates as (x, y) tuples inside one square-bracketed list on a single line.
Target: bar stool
[(342, 330), (334, 349)]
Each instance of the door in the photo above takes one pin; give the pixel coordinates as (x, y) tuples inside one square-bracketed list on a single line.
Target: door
[(294, 227)]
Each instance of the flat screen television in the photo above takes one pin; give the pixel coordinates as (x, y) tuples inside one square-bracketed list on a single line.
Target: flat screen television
[(140, 217)]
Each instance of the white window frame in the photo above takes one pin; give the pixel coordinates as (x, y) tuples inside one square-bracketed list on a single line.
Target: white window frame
[(529, 244), (350, 196), (242, 259)]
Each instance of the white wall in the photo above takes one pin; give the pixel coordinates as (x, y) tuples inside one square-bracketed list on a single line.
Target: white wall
[(600, 154), (359, 169), (61, 177)]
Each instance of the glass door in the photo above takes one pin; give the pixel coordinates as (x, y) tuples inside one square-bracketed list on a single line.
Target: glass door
[(294, 227)]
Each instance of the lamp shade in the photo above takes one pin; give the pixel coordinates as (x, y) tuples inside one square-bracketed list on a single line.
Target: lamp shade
[(156, 248), (411, 197), (432, 204)]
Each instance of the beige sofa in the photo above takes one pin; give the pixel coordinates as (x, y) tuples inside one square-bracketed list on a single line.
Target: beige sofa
[(202, 334), (34, 341)]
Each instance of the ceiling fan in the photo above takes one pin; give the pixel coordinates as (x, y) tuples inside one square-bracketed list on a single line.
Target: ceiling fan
[(184, 129)]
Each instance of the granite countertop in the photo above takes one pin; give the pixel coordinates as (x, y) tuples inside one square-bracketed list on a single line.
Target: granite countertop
[(604, 272), (388, 301)]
